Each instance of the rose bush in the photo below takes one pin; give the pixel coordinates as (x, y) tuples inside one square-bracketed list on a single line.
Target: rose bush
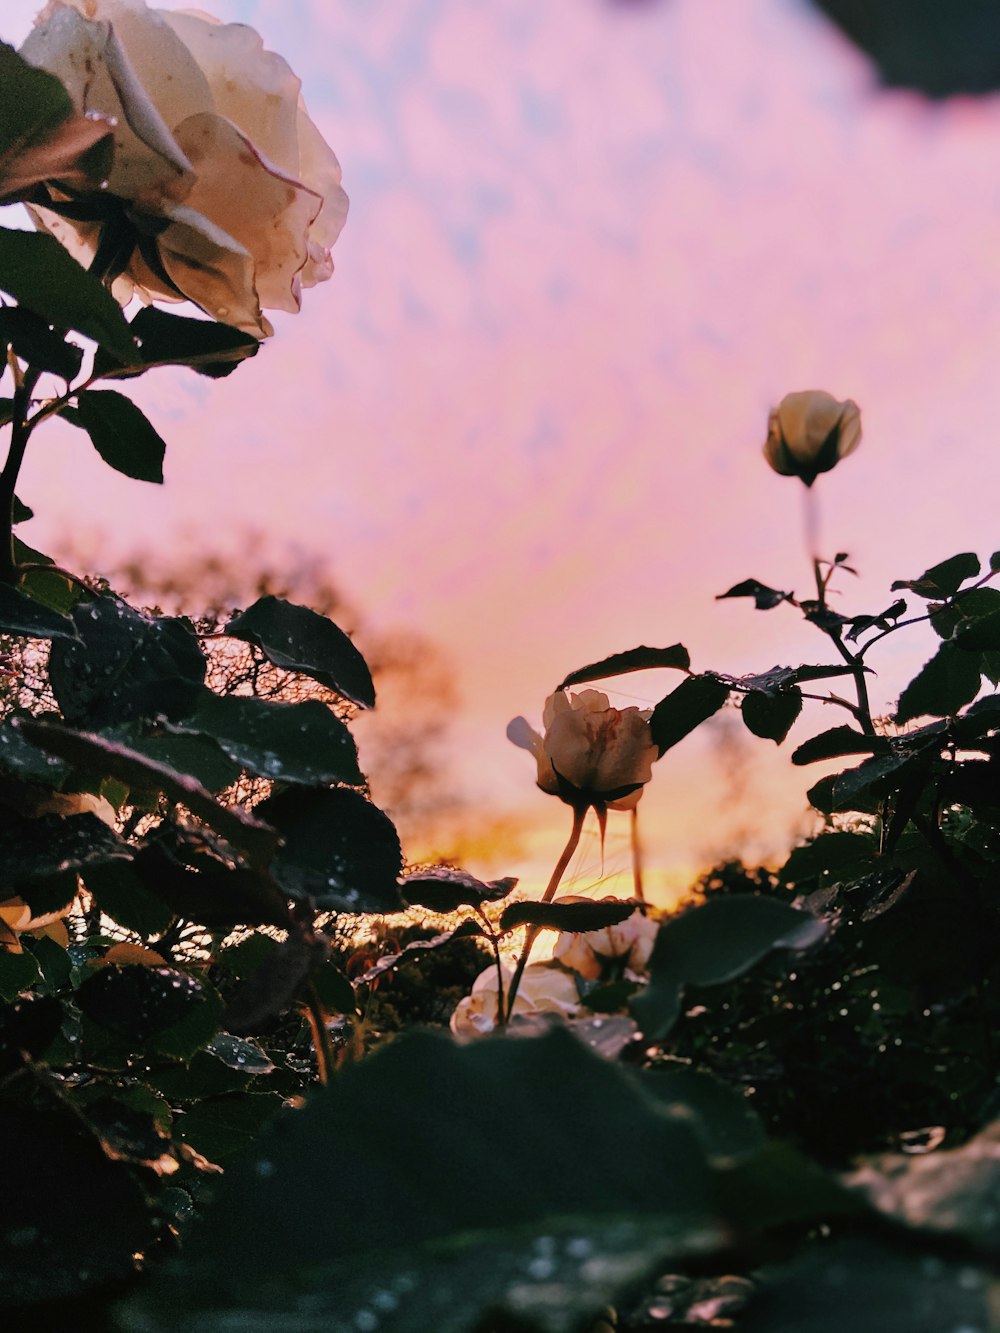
[(596, 954), (810, 432), (590, 753), (543, 989), (222, 191)]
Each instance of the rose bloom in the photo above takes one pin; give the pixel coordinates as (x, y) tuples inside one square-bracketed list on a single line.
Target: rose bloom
[(590, 752), (222, 191), (615, 950), (543, 990), (810, 432)]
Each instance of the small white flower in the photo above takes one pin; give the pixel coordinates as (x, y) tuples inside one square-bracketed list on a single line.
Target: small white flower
[(810, 432)]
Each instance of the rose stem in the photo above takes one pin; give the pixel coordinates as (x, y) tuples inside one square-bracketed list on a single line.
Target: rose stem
[(637, 856), (322, 1045), (579, 814)]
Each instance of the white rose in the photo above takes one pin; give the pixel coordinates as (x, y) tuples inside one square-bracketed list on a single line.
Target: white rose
[(222, 191), (594, 952), (810, 432), (590, 753), (543, 990)]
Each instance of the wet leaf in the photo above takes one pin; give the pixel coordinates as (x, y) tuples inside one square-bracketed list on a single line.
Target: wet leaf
[(290, 742), (578, 917), (338, 849), (945, 684), (944, 579), (297, 639), (836, 742), (694, 701), (771, 716), (205, 346), (713, 943), (442, 889), (765, 598), (24, 616), (38, 344)]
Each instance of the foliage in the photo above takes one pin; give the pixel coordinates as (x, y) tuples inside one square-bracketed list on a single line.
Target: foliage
[(200, 928)]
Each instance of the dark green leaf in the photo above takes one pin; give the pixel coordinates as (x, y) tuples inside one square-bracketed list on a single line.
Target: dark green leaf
[(723, 1119), (765, 598), (388, 962), (21, 512), (120, 432), (92, 753), (48, 1254), (217, 896), (27, 1027), (198, 756), (334, 990), (694, 700), (33, 851), (982, 634), (836, 742), (24, 760), (964, 611), (18, 971), (291, 742), (221, 1128), (713, 943), (635, 659), (209, 348), (122, 895), (945, 684), (126, 666), (36, 343), (861, 788), (43, 277), (771, 716), (338, 849), (298, 639), (576, 917), (46, 587), (504, 1111), (138, 1002), (829, 857), (442, 889), (22, 615), (944, 579)]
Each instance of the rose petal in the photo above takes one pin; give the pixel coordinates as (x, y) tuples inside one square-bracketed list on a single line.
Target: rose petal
[(267, 212), (209, 267)]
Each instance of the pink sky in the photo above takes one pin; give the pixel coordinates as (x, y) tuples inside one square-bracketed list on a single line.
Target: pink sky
[(589, 246)]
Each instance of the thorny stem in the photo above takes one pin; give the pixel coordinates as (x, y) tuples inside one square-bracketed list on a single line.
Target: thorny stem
[(636, 856), (864, 711), (579, 815)]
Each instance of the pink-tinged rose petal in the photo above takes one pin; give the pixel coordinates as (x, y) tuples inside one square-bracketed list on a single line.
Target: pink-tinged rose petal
[(209, 267), (247, 197), (320, 170), (252, 87), (90, 59)]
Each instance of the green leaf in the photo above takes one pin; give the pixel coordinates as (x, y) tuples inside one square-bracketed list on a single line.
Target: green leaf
[(126, 666), (47, 587), (238, 1053), (765, 598), (18, 971), (216, 896), (41, 276), (120, 893), (694, 701), (980, 635), (334, 990), (770, 716), (298, 639), (338, 849), (723, 1119), (943, 685), (209, 348), (713, 943), (49, 1255), (222, 1128), (291, 742), (120, 432), (575, 917), (92, 753), (967, 609), (557, 1247), (444, 890), (23, 616), (137, 1002), (388, 962), (37, 344), (836, 742), (635, 659), (830, 857), (944, 579), (33, 852), (32, 101), (863, 787), (24, 760), (196, 755), (21, 512)]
